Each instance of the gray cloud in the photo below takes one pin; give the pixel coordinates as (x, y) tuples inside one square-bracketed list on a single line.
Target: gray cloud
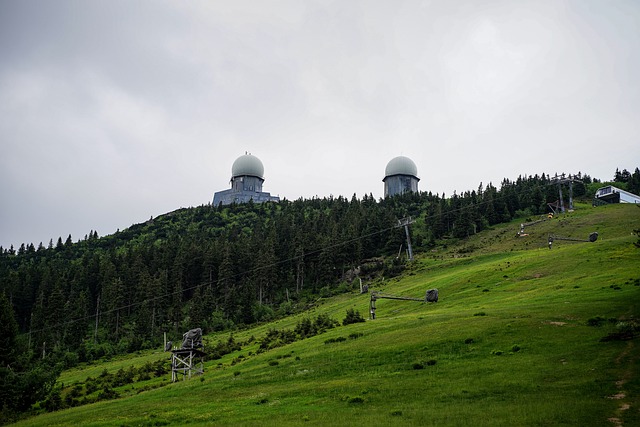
[(111, 112)]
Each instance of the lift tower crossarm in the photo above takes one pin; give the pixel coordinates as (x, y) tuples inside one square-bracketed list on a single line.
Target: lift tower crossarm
[(376, 295), (430, 296)]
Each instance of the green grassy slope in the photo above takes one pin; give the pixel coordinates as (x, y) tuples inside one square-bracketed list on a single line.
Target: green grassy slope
[(509, 343)]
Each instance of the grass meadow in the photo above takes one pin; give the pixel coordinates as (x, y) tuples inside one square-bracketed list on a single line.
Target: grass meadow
[(515, 340)]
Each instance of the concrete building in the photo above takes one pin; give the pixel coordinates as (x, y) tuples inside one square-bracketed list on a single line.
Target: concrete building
[(247, 177), (400, 176)]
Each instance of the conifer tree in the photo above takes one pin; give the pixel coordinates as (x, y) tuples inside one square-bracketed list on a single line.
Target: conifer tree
[(8, 331)]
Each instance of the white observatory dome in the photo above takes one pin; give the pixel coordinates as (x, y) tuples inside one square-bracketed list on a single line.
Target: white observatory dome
[(247, 165), (401, 165)]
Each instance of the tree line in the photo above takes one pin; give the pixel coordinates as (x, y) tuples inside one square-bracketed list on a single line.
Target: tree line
[(215, 267)]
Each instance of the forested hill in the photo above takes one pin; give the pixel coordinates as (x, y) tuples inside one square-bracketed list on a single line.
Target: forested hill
[(219, 267), (216, 266)]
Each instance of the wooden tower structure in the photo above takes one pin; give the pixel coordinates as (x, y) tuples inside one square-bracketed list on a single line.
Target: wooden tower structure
[(188, 360)]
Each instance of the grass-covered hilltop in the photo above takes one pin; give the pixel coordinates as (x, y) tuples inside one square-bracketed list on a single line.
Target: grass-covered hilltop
[(522, 334)]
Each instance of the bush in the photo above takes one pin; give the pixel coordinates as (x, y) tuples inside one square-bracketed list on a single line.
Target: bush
[(53, 401), (277, 338), (324, 322), (76, 391), (123, 377), (624, 331), (90, 385), (70, 359), (218, 322), (263, 313), (305, 328), (285, 309), (353, 316), (221, 348), (89, 351), (160, 368), (107, 393), (596, 321)]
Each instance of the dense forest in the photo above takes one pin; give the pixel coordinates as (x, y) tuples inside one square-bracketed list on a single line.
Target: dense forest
[(223, 267)]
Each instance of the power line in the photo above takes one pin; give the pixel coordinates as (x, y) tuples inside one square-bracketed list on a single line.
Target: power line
[(277, 263)]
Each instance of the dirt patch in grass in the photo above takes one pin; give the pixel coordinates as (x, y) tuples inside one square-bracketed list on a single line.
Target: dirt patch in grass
[(626, 375), (617, 396), (556, 323)]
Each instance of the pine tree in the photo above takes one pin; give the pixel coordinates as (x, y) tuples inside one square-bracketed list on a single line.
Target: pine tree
[(113, 303), (634, 182), (37, 331), (8, 331), (56, 314), (77, 315), (264, 272), (227, 285)]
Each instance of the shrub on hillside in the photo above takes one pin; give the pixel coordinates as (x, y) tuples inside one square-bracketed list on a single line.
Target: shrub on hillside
[(624, 331), (107, 393), (353, 316), (324, 322), (224, 347), (305, 328), (596, 321), (277, 338), (337, 339)]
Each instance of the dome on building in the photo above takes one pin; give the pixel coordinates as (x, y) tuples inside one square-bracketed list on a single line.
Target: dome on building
[(247, 165), (401, 165)]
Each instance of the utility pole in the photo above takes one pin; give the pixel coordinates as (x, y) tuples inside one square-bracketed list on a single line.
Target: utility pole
[(95, 331), (404, 222)]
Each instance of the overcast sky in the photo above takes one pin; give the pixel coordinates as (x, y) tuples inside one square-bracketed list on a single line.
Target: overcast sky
[(115, 111)]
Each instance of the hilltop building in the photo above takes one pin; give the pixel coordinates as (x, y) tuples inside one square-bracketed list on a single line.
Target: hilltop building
[(400, 176), (611, 194), (247, 177)]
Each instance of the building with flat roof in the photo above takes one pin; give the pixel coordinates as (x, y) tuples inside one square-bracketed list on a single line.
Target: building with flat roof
[(611, 194), (247, 177)]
